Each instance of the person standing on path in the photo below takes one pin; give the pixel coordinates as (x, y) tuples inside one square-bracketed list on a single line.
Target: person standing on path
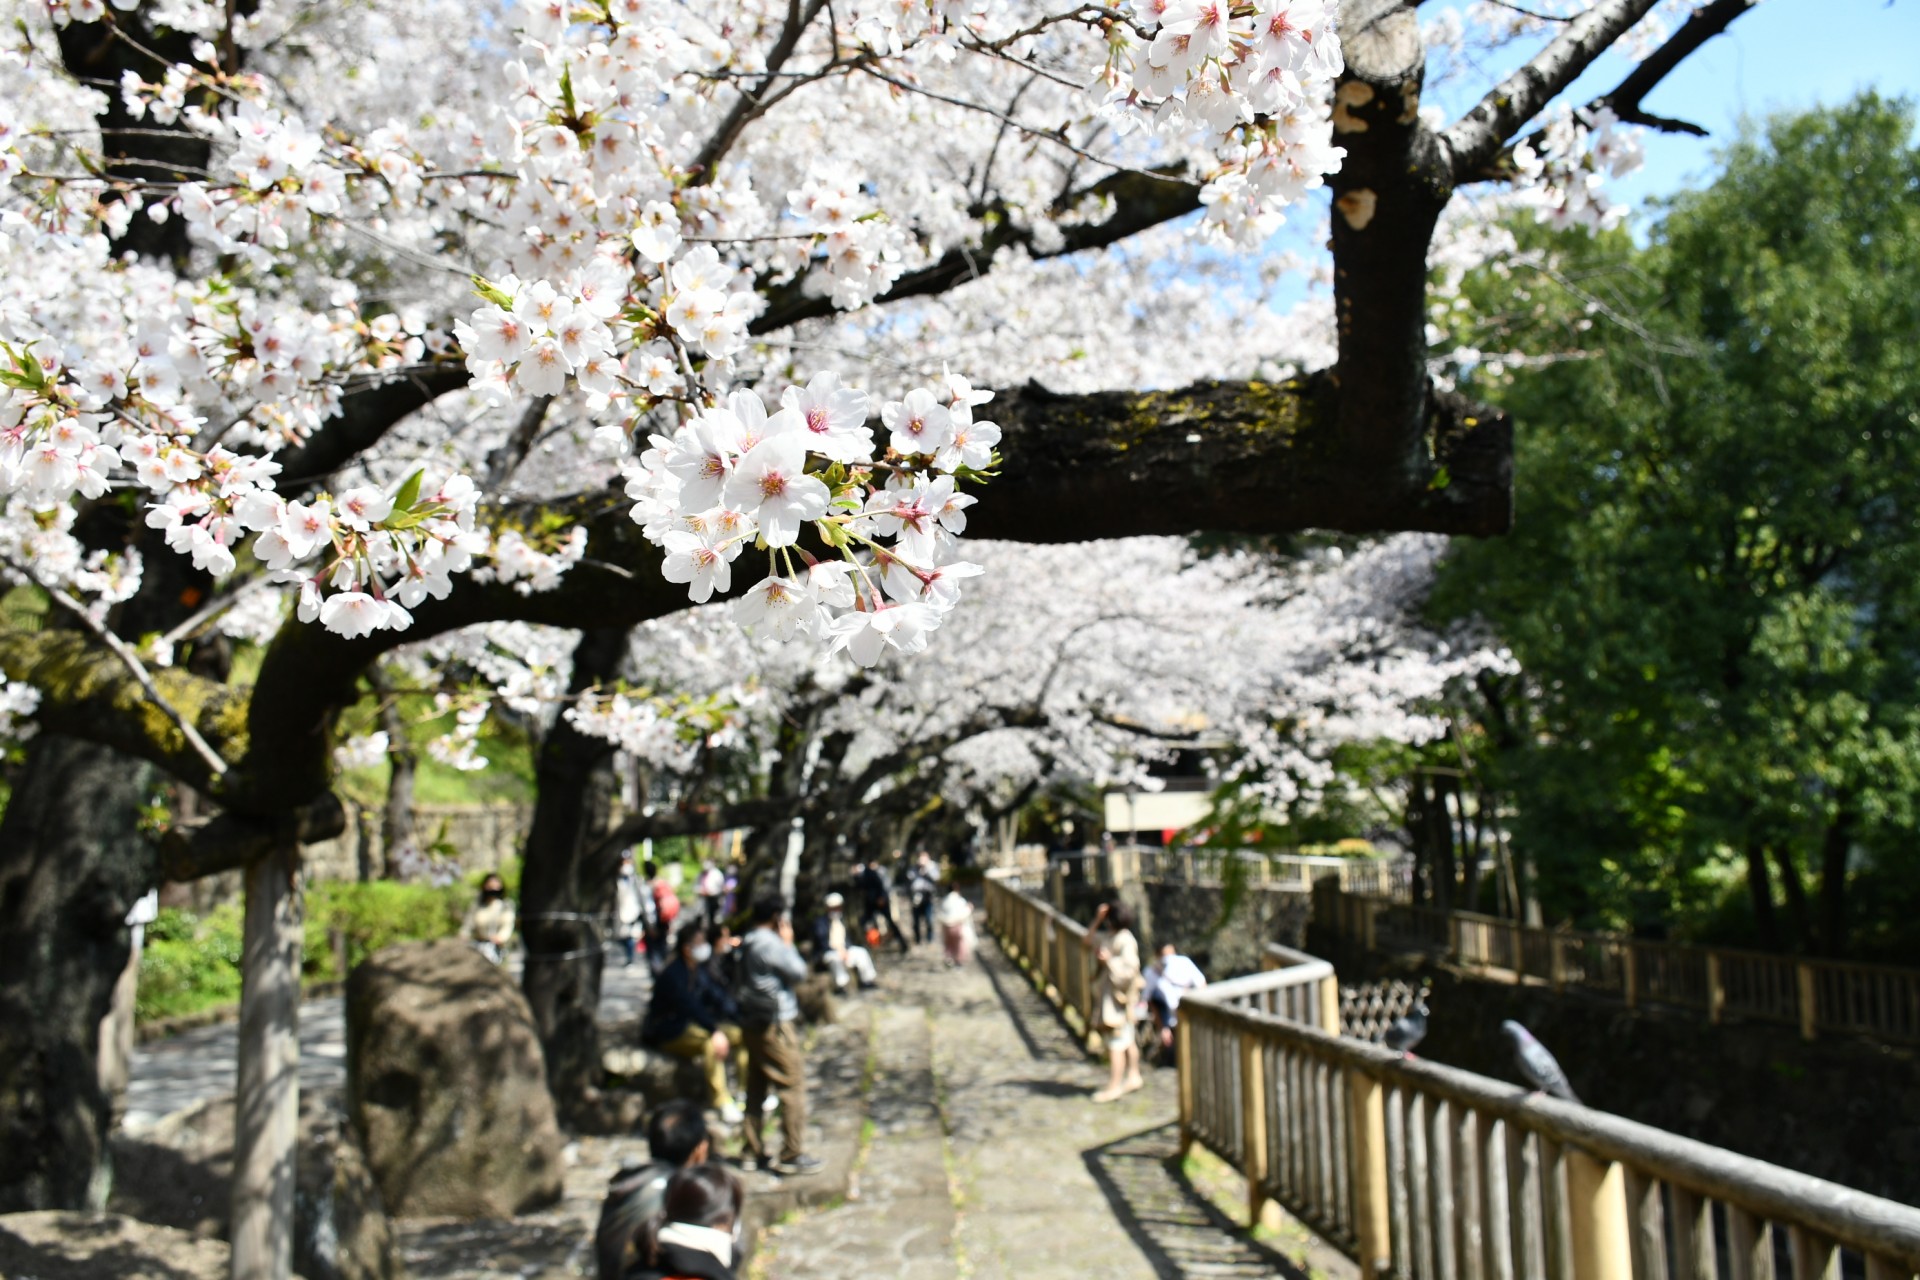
[(877, 895), (628, 916), (710, 886), (662, 909), (770, 968), (923, 886), (1115, 993), (956, 927)]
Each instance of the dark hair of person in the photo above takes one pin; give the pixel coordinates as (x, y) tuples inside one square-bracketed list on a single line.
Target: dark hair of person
[(690, 934), (675, 1131), (768, 909), (701, 1195), (1120, 916), (650, 868), (493, 884)]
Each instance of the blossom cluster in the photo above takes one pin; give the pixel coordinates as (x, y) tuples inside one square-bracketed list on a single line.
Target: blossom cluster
[(735, 476), (18, 701), (1565, 176), (1251, 79)]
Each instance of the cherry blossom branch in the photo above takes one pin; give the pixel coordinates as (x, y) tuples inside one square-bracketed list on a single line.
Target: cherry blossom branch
[(752, 104), (1625, 98), (132, 662), (1473, 140)]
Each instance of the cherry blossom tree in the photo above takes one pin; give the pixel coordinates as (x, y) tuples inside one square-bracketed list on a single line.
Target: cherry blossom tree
[(321, 319)]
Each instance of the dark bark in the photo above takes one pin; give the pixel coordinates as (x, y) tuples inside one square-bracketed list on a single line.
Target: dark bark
[(1834, 847), (1766, 925), (565, 892), (1798, 912), (72, 863), (396, 812)]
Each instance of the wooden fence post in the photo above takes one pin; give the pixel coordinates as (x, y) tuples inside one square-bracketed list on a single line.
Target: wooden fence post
[(1597, 1218), (1253, 1125), (1557, 961), (1183, 1045), (1716, 992), (1809, 995), (1367, 1170), (1330, 1004), (1629, 967)]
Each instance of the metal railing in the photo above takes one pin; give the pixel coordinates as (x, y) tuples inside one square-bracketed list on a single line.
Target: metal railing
[(1422, 1172), (1815, 994)]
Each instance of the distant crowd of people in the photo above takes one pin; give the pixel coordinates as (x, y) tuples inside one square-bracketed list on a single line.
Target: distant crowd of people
[(731, 1000)]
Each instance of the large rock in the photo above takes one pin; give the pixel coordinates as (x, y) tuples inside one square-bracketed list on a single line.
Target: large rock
[(57, 1245), (340, 1231), (446, 1085), (658, 1077), (176, 1173)]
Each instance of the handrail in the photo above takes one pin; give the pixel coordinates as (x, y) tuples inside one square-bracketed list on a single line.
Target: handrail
[(1814, 993), (1420, 1170), (1292, 872)]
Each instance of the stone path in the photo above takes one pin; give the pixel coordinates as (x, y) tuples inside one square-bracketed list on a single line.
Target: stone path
[(987, 1158), (185, 1070)]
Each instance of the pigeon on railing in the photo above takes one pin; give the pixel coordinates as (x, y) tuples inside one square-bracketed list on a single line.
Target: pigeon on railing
[(1538, 1067), (1408, 1030)]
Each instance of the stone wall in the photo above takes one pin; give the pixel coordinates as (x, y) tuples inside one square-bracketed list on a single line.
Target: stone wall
[(1838, 1108), (485, 836), (1191, 917)]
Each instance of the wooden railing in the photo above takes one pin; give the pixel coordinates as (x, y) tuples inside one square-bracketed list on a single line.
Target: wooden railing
[(1292, 871), (1047, 943), (1814, 994), (1422, 1172)]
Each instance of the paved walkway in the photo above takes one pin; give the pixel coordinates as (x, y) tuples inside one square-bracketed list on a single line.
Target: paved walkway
[(986, 1157)]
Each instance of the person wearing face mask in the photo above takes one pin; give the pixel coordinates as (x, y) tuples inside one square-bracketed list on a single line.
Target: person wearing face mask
[(691, 1016), (489, 926)]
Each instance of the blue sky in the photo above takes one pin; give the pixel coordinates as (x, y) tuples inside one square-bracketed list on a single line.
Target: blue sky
[(1784, 55)]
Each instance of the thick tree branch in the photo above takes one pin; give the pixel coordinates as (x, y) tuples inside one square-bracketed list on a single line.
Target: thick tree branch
[(1625, 98), (1702, 26), (229, 840), (754, 103), (135, 668), (87, 692), (365, 416), (1140, 202), (1472, 141)]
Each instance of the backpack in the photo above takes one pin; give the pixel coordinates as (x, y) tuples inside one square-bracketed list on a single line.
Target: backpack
[(665, 902)]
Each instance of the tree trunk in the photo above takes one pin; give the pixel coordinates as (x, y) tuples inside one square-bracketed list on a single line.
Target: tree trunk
[(396, 815), (1766, 926), (566, 891), (267, 1095), (1797, 910), (72, 863), (1833, 882)]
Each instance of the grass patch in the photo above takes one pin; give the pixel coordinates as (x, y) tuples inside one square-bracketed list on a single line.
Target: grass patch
[(192, 962)]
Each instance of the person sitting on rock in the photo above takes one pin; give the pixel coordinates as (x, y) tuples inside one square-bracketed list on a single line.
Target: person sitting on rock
[(693, 1236), (838, 953), (691, 1016), (676, 1138)]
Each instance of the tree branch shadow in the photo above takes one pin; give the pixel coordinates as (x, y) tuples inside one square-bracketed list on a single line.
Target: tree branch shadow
[(1182, 1234)]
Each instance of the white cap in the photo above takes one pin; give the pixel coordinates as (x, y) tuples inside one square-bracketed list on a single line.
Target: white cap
[(835, 900)]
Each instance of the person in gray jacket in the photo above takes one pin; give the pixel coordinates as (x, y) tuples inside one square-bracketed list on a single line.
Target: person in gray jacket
[(770, 968)]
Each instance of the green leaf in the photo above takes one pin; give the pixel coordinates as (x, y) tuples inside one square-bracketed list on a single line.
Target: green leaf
[(409, 491), (491, 292)]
